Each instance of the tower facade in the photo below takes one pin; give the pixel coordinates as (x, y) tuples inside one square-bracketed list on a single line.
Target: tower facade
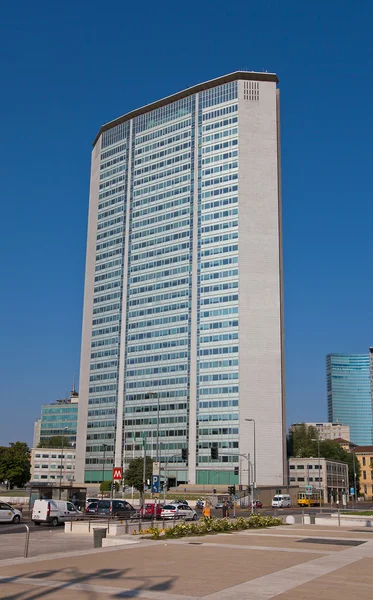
[(348, 381), (183, 327)]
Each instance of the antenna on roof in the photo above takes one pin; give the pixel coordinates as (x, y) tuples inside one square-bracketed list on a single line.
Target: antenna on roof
[(73, 391)]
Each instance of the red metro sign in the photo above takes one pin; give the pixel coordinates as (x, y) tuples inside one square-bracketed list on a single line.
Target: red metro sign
[(117, 473)]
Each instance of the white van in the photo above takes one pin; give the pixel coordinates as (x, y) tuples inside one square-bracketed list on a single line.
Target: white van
[(281, 501), (54, 512)]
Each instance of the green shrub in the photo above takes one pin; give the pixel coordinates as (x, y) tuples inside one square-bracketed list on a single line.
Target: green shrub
[(211, 525)]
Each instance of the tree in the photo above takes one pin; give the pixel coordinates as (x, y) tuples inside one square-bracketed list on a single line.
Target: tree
[(15, 464), (300, 442), (134, 474), (106, 486), (56, 441)]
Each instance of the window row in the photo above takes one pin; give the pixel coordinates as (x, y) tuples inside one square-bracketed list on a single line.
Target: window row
[(158, 345), (157, 333), (150, 358), (160, 297), (162, 321), (165, 308), (154, 166), (138, 181)]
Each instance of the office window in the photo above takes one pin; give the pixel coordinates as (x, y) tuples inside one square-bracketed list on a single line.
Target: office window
[(300, 467), (292, 467), (363, 461), (300, 478), (364, 474)]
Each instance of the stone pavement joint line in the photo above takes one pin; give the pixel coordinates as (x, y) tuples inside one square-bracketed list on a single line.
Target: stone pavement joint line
[(270, 586), (262, 548), (99, 589)]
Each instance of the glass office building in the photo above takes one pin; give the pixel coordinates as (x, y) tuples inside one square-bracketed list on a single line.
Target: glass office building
[(349, 394), (58, 419), (182, 325)]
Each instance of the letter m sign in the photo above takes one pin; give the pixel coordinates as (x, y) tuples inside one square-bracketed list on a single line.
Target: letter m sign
[(117, 473)]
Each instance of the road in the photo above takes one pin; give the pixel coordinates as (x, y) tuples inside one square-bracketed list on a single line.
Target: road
[(9, 528)]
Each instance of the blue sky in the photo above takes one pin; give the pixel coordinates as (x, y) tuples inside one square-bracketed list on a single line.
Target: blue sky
[(68, 67)]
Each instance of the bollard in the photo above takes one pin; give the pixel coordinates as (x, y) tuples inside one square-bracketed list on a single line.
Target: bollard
[(89, 524), (302, 516), (25, 553), (126, 530), (108, 524), (71, 523), (98, 535), (339, 517)]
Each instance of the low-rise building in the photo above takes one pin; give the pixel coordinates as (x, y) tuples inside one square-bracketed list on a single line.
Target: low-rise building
[(52, 465), (327, 477), (58, 419), (364, 455), (328, 431)]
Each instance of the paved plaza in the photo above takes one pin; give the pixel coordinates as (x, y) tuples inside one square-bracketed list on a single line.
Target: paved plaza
[(293, 562)]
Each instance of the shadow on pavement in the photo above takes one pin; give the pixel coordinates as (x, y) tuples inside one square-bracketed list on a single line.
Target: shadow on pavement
[(76, 578)]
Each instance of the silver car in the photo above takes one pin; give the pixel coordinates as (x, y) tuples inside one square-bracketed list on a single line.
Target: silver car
[(9, 514), (179, 511)]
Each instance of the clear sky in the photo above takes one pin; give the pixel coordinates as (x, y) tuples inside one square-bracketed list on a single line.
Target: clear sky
[(67, 67)]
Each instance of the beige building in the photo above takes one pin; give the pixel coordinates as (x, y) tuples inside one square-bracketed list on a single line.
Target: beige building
[(364, 455), (328, 431), (182, 339), (52, 466), (329, 477)]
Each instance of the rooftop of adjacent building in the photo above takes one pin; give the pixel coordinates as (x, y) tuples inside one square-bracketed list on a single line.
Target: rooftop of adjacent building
[(363, 450), (200, 87), (73, 399), (312, 459)]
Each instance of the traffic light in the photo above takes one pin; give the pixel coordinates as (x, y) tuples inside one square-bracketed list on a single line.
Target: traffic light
[(236, 470), (214, 453), (184, 454), (232, 490)]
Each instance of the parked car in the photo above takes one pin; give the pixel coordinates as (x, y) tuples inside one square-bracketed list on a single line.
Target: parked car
[(92, 507), (115, 508), (9, 514), (257, 504), (54, 512), (179, 511), (281, 501), (150, 512), (179, 502), (220, 504), (90, 500)]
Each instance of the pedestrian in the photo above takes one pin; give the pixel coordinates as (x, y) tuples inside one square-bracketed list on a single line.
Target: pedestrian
[(225, 510), (207, 512)]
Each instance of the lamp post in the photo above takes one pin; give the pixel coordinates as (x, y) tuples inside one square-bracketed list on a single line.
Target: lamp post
[(254, 482), (62, 440), (165, 475), (249, 496), (103, 470), (353, 461), (318, 458)]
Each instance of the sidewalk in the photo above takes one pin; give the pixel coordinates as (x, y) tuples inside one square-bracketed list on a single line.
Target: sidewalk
[(286, 562)]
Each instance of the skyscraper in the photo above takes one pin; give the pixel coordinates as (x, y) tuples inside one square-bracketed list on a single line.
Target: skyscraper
[(182, 328), (349, 394)]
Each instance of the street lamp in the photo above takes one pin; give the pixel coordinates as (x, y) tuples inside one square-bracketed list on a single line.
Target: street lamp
[(247, 456), (318, 457), (103, 470), (62, 441), (254, 482)]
